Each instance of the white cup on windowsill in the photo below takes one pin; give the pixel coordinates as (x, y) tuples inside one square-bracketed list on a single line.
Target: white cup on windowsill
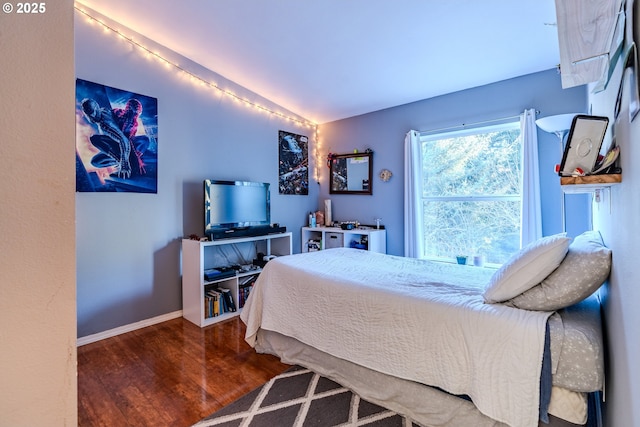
[(478, 260)]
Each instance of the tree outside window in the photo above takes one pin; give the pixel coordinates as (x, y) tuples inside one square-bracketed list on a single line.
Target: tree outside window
[(472, 193)]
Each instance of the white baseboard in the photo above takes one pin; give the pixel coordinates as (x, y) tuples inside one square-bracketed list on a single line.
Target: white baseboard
[(128, 328)]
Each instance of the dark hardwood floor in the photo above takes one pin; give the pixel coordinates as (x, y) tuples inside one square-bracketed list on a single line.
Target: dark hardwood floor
[(170, 374)]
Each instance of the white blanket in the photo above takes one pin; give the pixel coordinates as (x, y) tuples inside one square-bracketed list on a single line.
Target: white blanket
[(414, 319)]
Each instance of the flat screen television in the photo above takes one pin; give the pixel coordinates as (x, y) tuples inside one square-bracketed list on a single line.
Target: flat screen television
[(230, 205)]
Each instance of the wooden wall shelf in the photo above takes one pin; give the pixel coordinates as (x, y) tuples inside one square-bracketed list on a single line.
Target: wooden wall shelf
[(590, 183)]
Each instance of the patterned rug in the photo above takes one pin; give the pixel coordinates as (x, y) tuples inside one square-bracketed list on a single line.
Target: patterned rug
[(300, 397)]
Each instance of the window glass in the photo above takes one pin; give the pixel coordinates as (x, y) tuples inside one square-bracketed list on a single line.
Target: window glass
[(471, 193)]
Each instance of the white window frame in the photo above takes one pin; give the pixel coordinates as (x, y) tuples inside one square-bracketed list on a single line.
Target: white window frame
[(434, 136)]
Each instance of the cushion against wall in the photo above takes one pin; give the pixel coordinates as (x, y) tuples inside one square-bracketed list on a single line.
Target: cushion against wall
[(526, 268), (581, 273)]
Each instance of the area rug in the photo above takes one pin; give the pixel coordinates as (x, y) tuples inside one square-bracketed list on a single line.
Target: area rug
[(300, 397)]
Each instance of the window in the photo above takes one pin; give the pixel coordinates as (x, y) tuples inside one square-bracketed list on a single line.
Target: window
[(471, 193)]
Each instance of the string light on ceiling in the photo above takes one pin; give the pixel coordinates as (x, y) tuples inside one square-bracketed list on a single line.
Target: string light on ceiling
[(196, 79)]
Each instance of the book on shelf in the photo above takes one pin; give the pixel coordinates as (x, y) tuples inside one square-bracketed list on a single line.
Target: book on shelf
[(222, 302), (227, 299), (247, 280), (218, 301), (211, 304), (245, 288)]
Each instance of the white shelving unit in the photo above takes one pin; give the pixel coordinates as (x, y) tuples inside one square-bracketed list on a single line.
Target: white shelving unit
[(199, 256), (371, 239)]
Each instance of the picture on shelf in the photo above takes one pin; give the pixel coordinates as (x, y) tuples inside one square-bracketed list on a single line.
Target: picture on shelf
[(116, 140), (583, 145), (313, 245)]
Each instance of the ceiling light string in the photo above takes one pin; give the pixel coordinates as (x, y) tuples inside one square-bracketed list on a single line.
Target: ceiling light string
[(192, 76)]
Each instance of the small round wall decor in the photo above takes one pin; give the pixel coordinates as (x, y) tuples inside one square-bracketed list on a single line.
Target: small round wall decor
[(385, 175)]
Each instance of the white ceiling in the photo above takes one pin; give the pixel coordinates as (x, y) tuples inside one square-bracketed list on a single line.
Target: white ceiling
[(331, 59)]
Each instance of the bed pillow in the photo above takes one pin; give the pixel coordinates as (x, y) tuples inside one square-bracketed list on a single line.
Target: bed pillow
[(581, 273), (526, 268)]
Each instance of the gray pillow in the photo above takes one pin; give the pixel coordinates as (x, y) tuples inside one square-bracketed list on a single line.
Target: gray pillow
[(580, 274), (526, 268)]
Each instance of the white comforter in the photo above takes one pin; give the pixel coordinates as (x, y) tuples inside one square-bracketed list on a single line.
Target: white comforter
[(413, 319)]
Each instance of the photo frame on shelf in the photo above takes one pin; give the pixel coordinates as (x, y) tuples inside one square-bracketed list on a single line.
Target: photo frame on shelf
[(583, 144)]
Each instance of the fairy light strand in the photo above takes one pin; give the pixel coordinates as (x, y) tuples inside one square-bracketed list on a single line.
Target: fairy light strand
[(196, 78)]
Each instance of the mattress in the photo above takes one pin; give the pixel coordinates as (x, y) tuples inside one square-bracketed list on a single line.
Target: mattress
[(382, 305), (418, 320), (571, 406), (576, 348), (425, 405)]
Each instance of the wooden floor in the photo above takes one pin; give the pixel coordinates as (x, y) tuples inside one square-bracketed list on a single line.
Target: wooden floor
[(170, 374)]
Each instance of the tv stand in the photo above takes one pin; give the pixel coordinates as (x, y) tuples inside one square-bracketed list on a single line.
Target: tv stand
[(233, 233), (198, 256)]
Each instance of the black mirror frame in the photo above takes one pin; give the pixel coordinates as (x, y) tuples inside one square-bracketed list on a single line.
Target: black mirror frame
[(334, 161)]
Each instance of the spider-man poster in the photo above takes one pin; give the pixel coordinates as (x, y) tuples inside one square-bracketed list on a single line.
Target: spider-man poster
[(116, 140), (294, 163)]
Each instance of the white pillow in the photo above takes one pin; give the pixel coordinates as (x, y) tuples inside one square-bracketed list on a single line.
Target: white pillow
[(526, 268), (584, 269)]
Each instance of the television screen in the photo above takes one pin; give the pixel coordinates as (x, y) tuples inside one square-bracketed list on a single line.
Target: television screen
[(235, 204)]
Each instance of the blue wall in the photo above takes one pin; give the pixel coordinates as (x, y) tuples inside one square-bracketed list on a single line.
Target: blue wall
[(616, 217), (128, 245), (383, 131)]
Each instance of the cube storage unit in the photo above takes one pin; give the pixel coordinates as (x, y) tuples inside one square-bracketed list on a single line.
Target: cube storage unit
[(226, 267), (370, 239)]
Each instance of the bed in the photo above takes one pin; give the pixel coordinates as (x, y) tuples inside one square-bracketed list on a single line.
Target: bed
[(448, 345)]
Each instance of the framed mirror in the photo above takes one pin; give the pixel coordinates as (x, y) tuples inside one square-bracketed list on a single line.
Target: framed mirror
[(351, 173)]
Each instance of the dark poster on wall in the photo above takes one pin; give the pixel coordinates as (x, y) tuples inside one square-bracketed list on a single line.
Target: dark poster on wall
[(116, 140), (293, 175)]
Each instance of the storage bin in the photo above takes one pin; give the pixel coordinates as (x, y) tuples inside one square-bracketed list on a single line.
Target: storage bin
[(334, 240)]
